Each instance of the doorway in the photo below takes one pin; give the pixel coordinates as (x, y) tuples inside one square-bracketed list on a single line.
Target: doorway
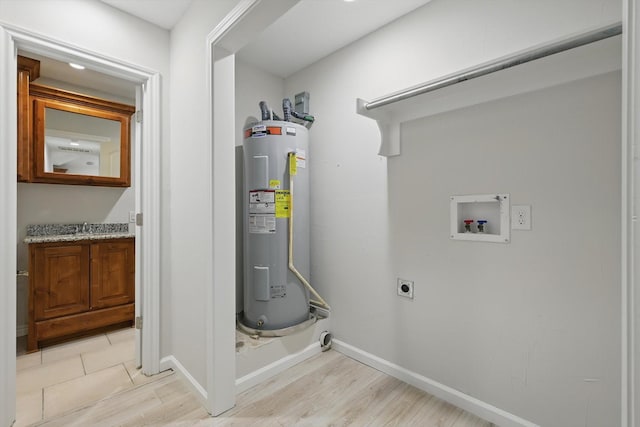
[(147, 192)]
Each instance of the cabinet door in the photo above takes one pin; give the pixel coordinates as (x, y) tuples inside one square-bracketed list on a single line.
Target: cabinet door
[(112, 273), (61, 280)]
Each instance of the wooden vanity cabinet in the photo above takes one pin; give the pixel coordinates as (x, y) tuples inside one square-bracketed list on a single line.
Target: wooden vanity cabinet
[(76, 287), (112, 274)]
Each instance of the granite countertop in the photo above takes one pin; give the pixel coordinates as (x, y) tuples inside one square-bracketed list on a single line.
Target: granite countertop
[(42, 233)]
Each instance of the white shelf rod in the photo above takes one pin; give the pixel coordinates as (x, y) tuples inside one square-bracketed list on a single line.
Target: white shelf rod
[(501, 64)]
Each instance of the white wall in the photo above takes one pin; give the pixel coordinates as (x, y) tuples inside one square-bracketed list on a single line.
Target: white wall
[(523, 326), (531, 327), (190, 247), (252, 86), (84, 23)]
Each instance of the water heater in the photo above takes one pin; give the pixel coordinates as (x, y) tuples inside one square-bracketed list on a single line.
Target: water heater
[(275, 159)]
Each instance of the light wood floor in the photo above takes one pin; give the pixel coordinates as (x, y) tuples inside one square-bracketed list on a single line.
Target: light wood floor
[(326, 390)]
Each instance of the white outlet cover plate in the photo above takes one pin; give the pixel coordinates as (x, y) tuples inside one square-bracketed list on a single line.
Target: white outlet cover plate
[(521, 217)]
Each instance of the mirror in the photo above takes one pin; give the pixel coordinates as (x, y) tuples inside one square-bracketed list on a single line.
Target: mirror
[(80, 143)]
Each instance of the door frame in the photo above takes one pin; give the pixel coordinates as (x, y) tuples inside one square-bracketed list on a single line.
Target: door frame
[(245, 21), (147, 195), (232, 33), (630, 266)]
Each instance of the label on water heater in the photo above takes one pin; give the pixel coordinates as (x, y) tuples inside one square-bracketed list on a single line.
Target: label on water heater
[(301, 158), (274, 184), (277, 291), (262, 224), (262, 211), (262, 201), (283, 202), (258, 131)]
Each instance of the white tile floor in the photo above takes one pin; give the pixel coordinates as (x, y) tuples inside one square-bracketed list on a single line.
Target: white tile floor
[(65, 377)]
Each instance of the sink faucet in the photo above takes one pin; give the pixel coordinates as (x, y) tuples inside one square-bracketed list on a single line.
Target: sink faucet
[(85, 228)]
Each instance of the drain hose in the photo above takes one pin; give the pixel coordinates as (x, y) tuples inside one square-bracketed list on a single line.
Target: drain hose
[(320, 302)]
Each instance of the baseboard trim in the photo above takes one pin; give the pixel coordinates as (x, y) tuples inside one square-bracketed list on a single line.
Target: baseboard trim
[(272, 369), (170, 362), (22, 330), (453, 396)]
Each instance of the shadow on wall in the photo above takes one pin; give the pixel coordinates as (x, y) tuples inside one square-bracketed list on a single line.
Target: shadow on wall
[(239, 232)]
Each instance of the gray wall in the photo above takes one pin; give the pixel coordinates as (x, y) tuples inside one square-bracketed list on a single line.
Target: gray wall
[(187, 191), (531, 327)]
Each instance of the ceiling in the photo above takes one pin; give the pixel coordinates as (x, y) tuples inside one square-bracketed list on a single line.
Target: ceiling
[(312, 29), (163, 13), (100, 84)]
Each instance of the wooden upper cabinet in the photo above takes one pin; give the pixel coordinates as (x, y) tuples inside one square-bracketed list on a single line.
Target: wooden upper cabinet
[(112, 274), (28, 70), (70, 138)]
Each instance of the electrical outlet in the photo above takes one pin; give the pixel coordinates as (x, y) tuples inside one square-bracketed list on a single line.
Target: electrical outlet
[(132, 216), (405, 288), (521, 217)]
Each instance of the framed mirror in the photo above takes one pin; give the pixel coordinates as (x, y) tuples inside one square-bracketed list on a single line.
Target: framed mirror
[(79, 139)]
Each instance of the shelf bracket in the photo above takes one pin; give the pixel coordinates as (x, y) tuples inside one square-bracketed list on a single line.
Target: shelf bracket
[(389, 128)]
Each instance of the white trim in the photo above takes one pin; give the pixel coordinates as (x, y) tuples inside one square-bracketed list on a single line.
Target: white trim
[(22, 330), (630, 380), (228, 22), (8, 226), (220, 313), (455, 397), (220, 293), (137, 152), (149, 233), (32, 41), (273, 369), (170, 362), (222, 270)]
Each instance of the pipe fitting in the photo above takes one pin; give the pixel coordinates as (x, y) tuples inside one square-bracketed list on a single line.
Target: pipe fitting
[(325, 340), (261, 321)]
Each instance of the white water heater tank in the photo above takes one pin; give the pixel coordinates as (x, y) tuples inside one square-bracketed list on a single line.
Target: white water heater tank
[(274, 151)]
